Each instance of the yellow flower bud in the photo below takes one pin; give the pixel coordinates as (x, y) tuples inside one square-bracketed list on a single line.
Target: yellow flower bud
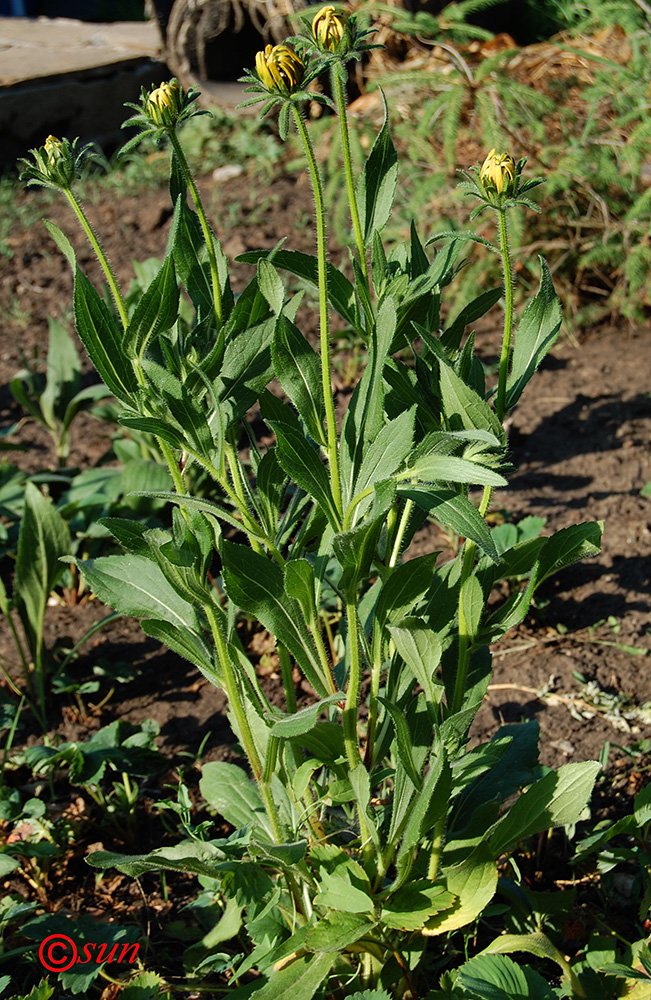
[(329, 28), (498, 173), (279, 68), (163, 104), (53, 149)]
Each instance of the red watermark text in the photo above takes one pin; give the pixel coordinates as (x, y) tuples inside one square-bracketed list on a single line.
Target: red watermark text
[(58, 953)]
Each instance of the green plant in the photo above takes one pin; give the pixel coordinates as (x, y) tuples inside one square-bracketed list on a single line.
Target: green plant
[(367, 827), (55, 399), (126, 750)]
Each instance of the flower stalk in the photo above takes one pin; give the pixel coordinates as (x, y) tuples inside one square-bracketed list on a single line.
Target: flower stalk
[(324, 329)]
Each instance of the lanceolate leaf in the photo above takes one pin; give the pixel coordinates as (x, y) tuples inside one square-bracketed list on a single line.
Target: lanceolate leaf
[(377, 183), (136, 586), (228, 791), (464, 409), (44, 538), (455, 511), (256, 585), (567, 546), (156, 312), (556, 800), (534, 336), (341, 293), (299, 371), (100, 336), (301, 978), (449, 468)]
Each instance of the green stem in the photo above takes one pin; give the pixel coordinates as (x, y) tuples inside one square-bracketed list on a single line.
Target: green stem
[(322, 269), (243, 728), (466, 570), (288, 679), (238, 483), (500, 404), (437, 847), (207, 234), (101, 256), (340, 98), (350, 710), (400, 534)]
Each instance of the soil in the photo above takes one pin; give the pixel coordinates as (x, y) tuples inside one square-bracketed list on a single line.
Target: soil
[(581, 447)]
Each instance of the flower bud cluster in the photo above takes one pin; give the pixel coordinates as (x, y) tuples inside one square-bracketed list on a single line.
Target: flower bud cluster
[(57, 163)]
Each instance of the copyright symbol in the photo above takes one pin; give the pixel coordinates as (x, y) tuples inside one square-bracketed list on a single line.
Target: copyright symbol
[(58, 953)]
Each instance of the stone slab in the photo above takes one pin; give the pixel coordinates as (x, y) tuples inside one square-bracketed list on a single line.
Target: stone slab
[(37, 48)]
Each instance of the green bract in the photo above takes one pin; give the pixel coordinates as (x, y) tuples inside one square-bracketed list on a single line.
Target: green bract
[(365, 827)]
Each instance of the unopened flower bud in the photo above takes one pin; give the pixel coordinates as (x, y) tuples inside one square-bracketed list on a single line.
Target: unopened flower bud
[(53, 149), (331, 31), (279, 68), (164, 104), (498, 173)]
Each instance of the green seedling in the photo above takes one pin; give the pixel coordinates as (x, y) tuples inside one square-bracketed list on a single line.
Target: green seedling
[(55, 399)]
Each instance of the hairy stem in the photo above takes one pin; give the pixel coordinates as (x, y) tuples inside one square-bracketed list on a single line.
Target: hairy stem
[(322, 270), (500, 403), (340, 97), (244, 732), (101, 256)]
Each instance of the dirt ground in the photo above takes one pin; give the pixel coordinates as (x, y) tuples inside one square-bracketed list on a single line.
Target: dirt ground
[(581, 445)]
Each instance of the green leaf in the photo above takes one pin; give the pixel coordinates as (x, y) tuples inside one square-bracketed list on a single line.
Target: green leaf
[(298, 723), (99, 334), (136, 586), (337, 931), (473, 882), (377, 183), (537, 944), (403, 741), (556, 800), (429, 805), (451, 336), (472, 606), (411, 906), (228, 790), (420, 648), (43, 540), (298, 370), (62, 242), (534, 336), (256, 585), (407, 584), (156, 312), (8, 865), (388, 451), (183, 641), (300, 584), (493, 977), (63, 374), (463, 407), (299, 459), (341, 293), (271, 286), (454, 511), (191, 856), (301, 978), (567, 546), (340, 894), (449, 468), (365, 415)]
